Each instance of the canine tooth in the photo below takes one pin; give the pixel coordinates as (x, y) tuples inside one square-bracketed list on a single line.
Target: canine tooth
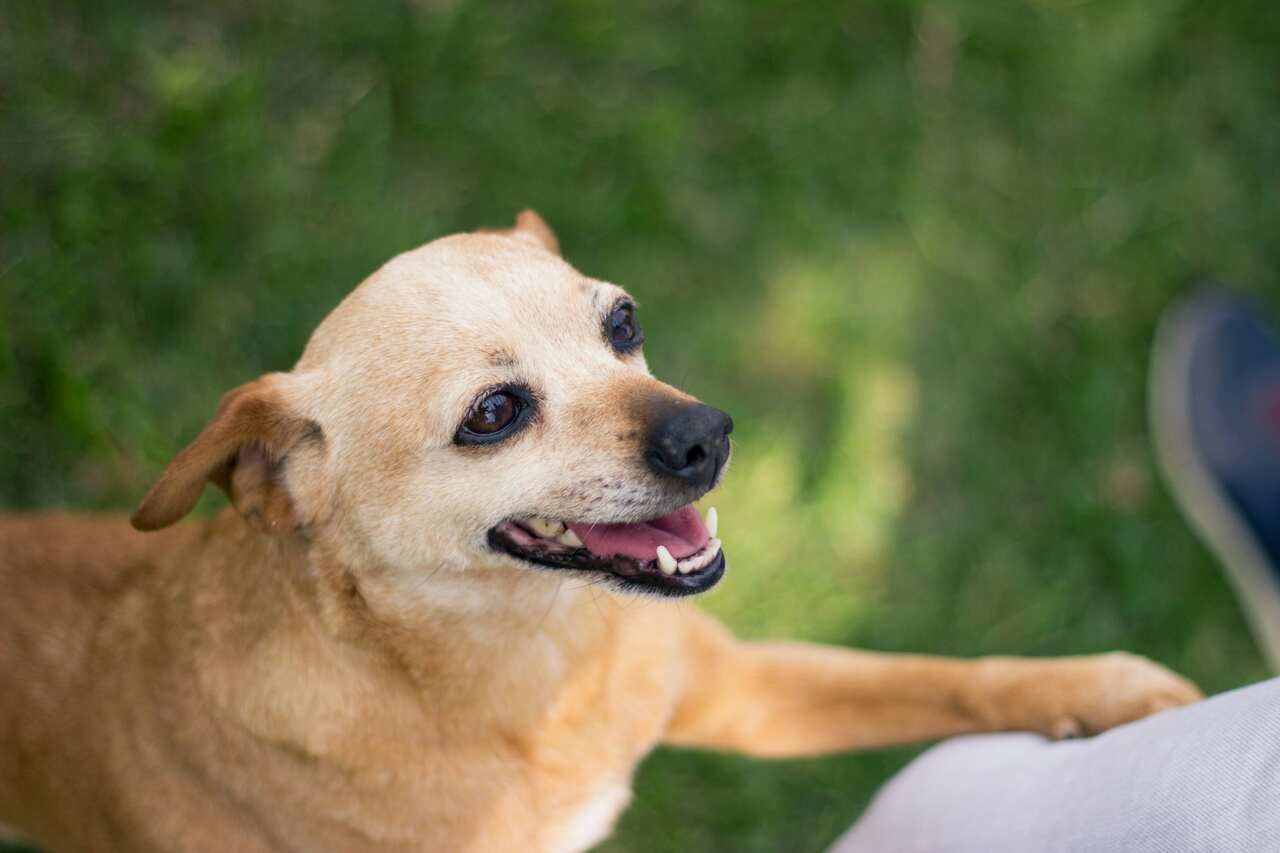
[(713, 521), (569, 538), (666, 562), (546, 528)]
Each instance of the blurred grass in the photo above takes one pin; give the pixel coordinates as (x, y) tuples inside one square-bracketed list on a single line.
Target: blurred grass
[(917, 249)]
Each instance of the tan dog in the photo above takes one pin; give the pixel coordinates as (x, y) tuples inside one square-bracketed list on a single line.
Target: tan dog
[(394, 642)]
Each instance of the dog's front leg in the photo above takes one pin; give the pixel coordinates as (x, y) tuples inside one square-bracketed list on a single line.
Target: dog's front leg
[(782, 699)]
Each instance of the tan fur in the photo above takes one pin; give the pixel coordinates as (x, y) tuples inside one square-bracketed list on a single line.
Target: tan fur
[(340, 662)]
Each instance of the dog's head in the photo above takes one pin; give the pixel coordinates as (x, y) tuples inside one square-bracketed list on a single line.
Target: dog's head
[(476, 404)]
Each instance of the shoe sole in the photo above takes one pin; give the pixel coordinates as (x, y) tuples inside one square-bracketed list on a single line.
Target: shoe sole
[(1206, 506)]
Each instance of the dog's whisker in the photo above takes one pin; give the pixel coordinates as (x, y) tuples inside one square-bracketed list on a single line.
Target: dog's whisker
[(554, 598)]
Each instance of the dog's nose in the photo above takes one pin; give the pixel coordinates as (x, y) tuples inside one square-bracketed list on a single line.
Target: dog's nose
[(690, 443)]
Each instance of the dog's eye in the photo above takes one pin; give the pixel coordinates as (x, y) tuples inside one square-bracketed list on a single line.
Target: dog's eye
[(492, 417), (622, 328), (494, 413)]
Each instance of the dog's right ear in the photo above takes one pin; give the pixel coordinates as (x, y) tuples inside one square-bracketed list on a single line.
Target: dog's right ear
[(242, 450), (531, 228)]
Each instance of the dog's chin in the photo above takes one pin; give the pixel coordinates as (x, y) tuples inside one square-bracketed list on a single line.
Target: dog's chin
[(674, 555)]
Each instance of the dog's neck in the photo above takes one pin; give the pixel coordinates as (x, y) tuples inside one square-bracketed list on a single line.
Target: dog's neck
[(437, 624), (355, 650)]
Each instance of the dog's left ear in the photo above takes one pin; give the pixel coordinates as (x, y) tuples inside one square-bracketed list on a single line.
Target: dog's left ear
[(242, 450), (531, 228)]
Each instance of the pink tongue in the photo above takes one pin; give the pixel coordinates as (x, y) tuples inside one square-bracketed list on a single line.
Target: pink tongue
[(682, 532)]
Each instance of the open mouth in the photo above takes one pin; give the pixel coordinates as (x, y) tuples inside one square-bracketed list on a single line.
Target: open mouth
[(675, 554)]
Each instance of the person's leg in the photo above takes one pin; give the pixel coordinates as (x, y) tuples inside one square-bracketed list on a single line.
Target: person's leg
[(1203, 778)]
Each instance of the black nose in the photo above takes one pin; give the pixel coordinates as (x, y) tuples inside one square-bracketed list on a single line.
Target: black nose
[(690, 443)]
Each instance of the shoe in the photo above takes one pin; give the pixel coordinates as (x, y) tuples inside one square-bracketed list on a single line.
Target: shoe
[(1215, 416)]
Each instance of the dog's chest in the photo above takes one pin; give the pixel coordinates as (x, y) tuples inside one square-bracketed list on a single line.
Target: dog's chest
[(588, 823)]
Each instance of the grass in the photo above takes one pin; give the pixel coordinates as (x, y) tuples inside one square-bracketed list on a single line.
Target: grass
[(917, 249)]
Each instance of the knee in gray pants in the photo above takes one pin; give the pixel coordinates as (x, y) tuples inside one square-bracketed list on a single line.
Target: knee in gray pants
[(1203, 778)]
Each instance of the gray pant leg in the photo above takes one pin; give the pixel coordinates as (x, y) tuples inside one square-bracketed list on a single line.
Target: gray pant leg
[(1204, 778)]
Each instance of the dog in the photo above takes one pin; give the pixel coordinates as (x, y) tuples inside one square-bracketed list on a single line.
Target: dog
[(415, 626)]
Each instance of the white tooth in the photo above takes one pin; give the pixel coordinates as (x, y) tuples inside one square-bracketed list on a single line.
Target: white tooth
[(713, 521), (702, 559), (545, 528), (666, 562), (569, 538)]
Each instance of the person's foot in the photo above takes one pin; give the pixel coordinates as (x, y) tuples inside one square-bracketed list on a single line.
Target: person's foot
[(1215, 414)]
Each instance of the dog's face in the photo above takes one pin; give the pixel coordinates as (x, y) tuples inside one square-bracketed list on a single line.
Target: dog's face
[(478, 404)]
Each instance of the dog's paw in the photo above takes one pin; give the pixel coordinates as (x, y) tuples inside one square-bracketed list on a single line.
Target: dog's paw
[(1088, 695), (1078, 696)]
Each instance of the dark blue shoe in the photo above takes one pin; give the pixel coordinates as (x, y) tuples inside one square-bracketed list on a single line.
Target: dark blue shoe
[(1215, 414)]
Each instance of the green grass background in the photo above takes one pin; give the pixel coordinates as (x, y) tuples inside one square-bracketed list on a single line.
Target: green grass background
[(918, 249)]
